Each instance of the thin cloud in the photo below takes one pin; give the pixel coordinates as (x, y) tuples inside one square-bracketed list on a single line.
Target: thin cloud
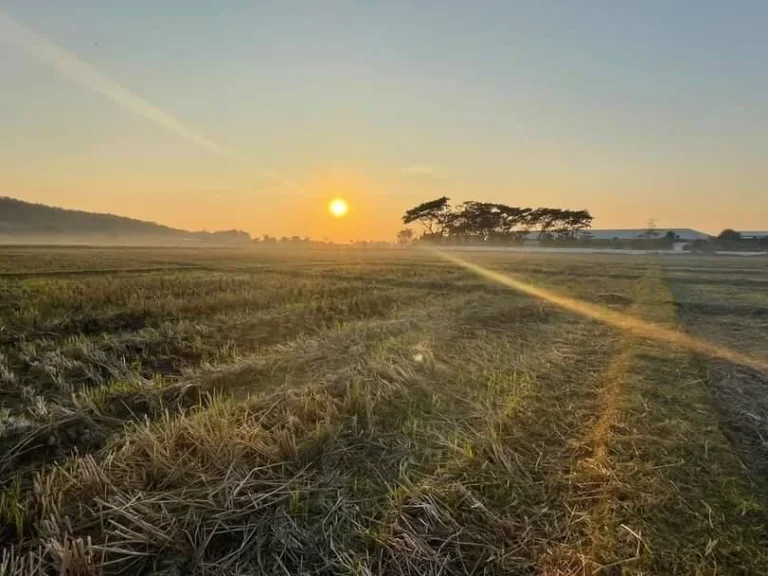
[(70, 66)]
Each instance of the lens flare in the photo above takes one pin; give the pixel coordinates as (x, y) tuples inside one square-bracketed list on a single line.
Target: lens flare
[(631, 324)]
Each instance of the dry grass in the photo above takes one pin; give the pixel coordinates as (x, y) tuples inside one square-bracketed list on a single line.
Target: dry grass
[(349, 414)]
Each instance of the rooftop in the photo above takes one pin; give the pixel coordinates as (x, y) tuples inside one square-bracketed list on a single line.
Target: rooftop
[(631, 233)]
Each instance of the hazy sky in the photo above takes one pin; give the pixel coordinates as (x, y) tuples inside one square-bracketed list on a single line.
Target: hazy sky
[(253, 115)]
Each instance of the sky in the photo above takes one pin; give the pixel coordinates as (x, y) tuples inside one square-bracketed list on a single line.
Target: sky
[(254, 115)]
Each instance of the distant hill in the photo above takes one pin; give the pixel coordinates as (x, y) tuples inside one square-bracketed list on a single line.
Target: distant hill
[(27, 222)]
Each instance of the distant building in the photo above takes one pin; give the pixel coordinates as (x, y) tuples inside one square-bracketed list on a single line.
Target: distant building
[(753, 234), (686, 234), (683, 234)]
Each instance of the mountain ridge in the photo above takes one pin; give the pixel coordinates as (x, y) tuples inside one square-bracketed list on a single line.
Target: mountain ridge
[(21, 220)]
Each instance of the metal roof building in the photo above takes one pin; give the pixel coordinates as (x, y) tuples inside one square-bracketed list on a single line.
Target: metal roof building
[(684, 234), (630, 233), (753, 234)]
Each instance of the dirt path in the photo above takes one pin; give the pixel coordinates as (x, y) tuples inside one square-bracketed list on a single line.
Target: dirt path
[(653, 487)]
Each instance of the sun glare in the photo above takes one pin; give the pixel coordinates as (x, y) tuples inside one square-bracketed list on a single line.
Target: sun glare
[(338, 207)]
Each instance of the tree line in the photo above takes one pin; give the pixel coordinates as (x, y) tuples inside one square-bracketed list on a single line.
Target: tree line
[(491, 222)]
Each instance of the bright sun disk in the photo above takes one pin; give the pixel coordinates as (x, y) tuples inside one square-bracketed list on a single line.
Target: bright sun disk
[(338, 207)]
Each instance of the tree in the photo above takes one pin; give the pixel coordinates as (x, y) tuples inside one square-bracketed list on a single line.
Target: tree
[(486, 222), (431, 215), (572, 222), (513, 223), (729, 236), (544, 219), (474, 219), (405, 236), (556, 223)]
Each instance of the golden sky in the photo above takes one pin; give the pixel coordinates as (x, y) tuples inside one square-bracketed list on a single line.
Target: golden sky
[(255, 117)]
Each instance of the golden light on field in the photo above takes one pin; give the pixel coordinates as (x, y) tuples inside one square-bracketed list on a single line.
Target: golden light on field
[(637, 326), (338, 207)]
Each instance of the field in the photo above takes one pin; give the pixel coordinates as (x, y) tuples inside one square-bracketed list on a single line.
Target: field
[(221, 412)]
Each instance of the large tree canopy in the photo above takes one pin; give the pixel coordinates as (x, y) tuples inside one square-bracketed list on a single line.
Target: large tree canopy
[(475, 221)]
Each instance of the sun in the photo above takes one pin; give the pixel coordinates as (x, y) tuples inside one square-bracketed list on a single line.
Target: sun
[(338, 207)]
